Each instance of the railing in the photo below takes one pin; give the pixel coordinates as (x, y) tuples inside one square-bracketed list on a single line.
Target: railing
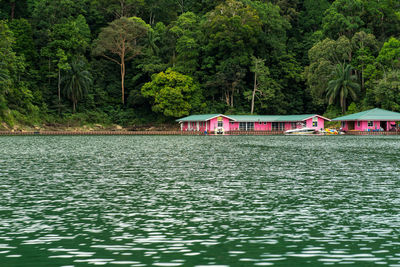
[(238, 132), (373, 132)]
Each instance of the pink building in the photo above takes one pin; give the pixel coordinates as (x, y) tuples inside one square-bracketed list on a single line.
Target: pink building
[(216, 122), (371, 120)]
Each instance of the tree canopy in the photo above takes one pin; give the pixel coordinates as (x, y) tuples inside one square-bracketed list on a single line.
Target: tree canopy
[(180, 57)]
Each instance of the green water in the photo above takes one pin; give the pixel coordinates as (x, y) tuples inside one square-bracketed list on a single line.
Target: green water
[(201, 200)]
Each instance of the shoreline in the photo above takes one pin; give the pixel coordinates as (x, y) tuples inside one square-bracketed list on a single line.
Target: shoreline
[(188, 133)]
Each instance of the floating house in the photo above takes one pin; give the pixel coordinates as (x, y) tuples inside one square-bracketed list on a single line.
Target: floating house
[(371, 120), (212, 122)]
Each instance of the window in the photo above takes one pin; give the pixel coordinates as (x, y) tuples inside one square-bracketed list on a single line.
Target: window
[(246, 126), (293, 125), (343, 124), (370, 123), (315, 122), (358, 123), (278, 126), (220, 124)]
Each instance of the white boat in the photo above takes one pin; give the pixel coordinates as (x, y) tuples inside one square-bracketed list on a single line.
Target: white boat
[(303, 131)]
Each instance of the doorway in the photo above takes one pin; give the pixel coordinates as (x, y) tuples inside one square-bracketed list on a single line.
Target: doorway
[(383, 125), (350, 125)]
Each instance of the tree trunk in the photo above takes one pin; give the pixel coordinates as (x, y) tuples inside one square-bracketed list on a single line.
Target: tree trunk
[(49, 70), (122, 9), (59, 86), (12, 4), (344, 106), (362, 78), (123, 81), (123, 72), (233, 93), (227, 97), (59, 91), (254, 91)]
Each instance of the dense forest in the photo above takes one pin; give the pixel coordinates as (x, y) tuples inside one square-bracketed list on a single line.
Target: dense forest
[(132, 62)]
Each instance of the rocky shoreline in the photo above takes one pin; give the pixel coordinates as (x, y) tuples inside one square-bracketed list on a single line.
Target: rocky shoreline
[(87, 128)]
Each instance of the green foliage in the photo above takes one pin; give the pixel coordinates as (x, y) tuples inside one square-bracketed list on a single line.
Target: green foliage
[(77, 82), (387, 91), (173, 94), (389, 54), (267, 94), (120, 8), (24, 44), (212, 43), (343, 17), (121, 42), (3, 72), (342, 86), (188, 35)]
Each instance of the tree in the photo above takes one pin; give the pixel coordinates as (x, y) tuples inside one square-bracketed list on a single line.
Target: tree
[(77, 82), (265, 89), (67, 40), (343, 17), (120, 42), (3, 72), (324, 57), (342, 86), (121, 8), (365, 45), (382, 18), (387, 91), (387, 60), (173, 94), (231, 30), (187, 32), (389, 56)]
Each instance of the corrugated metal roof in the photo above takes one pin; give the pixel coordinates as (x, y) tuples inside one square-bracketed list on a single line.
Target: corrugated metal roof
[(273, 118), (375, 114), (252, 118), (201, 117)]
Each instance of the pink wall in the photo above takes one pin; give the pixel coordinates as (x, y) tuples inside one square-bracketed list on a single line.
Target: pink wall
[(193, 126), (321, 123), (260, 126), (363, 125), (212, 124)]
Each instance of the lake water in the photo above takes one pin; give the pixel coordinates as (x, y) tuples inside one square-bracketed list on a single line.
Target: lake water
[(199, 200)]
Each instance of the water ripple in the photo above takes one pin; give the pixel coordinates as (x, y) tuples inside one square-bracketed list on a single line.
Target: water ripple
[(199, 201)]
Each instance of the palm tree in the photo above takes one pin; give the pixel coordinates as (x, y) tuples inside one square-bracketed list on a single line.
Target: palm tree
[(343, 85), (77, 81)]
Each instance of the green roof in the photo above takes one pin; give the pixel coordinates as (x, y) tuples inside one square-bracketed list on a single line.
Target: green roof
[(375, 114), (271, 118), (203, 117), (251, 118)]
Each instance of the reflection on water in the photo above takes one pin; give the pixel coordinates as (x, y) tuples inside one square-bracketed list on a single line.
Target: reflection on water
[(199, 201)]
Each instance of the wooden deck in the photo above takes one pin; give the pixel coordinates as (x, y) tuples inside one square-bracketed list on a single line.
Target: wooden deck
[(372, 133)]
